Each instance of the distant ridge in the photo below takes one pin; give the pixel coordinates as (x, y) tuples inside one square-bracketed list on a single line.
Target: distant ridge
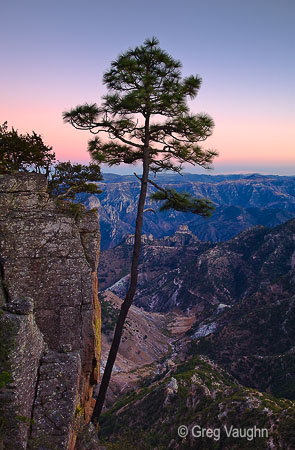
[(175, 178), (241, 201)]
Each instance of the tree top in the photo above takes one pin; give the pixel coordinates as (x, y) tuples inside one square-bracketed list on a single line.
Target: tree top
[(146, 102)]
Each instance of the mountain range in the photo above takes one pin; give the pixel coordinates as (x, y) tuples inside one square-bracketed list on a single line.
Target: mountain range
[(227, 284), (241, 201), (182, 272), (235, 364)]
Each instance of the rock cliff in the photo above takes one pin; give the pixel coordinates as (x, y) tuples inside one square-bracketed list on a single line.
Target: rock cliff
[(49, 316)]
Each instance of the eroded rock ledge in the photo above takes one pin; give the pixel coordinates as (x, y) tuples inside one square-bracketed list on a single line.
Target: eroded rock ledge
[(49, 316)]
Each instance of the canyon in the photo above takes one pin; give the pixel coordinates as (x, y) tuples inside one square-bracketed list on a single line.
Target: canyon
[(209, 340)]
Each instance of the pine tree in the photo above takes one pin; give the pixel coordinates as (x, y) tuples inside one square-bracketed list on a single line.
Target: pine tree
[(146, 119)]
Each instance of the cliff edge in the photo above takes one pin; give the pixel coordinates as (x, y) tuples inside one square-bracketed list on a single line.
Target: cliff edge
[(49, 316)]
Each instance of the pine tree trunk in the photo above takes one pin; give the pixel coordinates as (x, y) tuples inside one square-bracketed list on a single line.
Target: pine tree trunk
[(132, 287)]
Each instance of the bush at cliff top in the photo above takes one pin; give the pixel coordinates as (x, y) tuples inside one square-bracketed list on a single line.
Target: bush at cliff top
[(24, 152), (28, 153)]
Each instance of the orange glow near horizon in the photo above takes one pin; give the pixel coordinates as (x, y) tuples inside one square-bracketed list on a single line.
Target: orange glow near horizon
[(239, 141)]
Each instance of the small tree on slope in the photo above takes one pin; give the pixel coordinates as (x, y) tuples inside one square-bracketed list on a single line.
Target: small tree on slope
[(146, 118)]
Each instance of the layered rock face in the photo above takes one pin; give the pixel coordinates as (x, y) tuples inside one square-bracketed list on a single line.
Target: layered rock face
[(49, 316)]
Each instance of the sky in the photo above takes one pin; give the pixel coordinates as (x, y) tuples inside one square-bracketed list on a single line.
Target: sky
[(54, 54)]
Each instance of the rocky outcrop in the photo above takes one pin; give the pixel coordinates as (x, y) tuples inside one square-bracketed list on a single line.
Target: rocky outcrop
[(49, 317), (198, 405)]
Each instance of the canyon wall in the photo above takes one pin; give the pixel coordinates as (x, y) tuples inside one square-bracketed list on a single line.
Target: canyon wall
[(49, 316)]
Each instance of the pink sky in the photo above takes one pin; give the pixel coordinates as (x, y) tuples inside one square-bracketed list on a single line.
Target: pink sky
[(242, 142), (55, 54)]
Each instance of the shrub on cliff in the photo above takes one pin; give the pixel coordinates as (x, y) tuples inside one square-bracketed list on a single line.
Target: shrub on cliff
[(28, 153), (24, 152), (67, 179)]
